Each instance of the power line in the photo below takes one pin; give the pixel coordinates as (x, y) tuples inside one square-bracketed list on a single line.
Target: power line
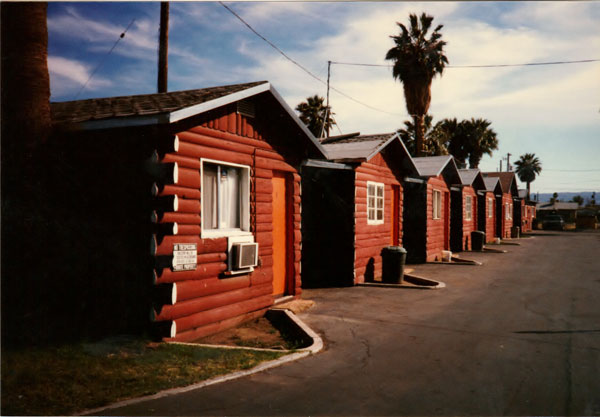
[(477, 66), (302, 67), (104, 59), (572, 170)]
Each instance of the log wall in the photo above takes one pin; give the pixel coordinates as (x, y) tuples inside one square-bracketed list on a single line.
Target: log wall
[(204, 300), (469, 226), (437, 241), (487, 224), (506, 223), (370, 239)]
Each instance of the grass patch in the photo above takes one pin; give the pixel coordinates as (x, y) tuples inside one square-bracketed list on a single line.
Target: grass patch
[(71, 378)]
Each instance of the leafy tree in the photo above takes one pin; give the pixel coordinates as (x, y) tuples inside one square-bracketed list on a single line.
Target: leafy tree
[(316, 115), (593, 199), (435, 143), (578, 199), (528, 166), (417, 60), (554, 198)]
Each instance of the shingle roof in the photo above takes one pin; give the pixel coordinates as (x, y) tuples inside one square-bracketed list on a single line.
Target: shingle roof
[(491, 183), (355, 147), (431, 166), (472, 177), (559, 205), (140, 105), (507, 179)]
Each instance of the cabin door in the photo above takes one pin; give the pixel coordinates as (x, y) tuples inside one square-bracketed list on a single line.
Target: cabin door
[(395, 216), (281, 233), (446, 215)]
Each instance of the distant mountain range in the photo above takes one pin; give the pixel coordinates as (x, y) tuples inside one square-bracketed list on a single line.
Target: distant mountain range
[(566, 196)]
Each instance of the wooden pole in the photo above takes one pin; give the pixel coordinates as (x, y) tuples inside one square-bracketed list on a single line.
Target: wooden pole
[(163, 47)]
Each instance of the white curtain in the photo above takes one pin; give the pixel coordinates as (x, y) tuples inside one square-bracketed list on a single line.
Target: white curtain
[(229, 198), (209, 196)]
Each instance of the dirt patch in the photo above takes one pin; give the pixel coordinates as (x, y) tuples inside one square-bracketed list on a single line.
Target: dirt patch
[(259, 333)]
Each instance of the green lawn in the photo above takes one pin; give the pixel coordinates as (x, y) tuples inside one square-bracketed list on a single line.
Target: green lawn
[(71, 378)]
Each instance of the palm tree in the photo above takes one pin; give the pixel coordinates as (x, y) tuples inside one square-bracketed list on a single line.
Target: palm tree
[(316, 115), (435, 143), (528, 166), (417, 60), (480, 139)]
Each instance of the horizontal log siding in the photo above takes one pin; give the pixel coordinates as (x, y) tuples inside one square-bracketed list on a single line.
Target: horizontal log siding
[(207, 302), (435, 227), (371, 239), (469, 225), (490, 222), (507, 223)]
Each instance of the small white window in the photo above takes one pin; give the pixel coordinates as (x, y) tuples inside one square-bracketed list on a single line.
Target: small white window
[(468, 208), (374, 202), (225, 199), (490, 207), (506, 211), (437, 204)]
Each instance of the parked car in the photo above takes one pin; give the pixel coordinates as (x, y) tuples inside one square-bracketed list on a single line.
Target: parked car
[(553, 221)]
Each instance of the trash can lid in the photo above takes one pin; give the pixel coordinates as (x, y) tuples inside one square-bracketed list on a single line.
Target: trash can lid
[(399, 249)]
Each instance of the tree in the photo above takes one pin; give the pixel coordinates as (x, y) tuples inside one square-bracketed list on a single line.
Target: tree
[(528, 166), (578, 199), (554, 198), (417, 60), (480, 139), (435, 143), (316, 115)]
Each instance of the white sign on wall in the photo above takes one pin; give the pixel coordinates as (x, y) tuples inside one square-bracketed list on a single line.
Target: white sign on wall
[(185, 256)]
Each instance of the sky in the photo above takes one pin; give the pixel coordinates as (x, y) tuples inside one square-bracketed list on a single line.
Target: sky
[(550, 110)]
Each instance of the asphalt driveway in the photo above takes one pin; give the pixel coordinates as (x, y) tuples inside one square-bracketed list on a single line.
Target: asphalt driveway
[(519, 335)]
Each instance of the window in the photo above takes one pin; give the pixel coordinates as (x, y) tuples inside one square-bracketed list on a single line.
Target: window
[(374, 202), (468, 208), (225, 199), (437, 204), (507, 211), (490, 207)]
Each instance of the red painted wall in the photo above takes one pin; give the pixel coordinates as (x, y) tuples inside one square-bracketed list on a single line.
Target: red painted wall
[(490, 222), (469, 225), (206, 301), (369, 238), (436, 239), (507, 223), (528, 216)]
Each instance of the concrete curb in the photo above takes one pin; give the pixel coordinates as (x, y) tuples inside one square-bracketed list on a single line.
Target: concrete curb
[(436, 285), (314, 348)]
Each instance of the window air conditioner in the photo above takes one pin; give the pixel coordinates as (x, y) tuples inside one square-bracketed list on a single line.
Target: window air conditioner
[(244, 255)]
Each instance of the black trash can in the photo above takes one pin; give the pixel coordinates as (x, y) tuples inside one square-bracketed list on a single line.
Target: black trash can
[(477, 240), (394, 258), (515, 232)]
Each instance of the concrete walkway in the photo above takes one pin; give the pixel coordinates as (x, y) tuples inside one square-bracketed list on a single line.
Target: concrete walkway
[(519, 335)]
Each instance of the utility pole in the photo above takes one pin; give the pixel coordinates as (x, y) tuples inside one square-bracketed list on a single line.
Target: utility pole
[(163, 47), (500, 165), (327, 111), (508, 167)]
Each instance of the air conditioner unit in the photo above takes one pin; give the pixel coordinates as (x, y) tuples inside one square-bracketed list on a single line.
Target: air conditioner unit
[(244, 255)]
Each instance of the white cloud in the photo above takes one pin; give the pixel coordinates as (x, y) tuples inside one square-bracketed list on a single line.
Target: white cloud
[(68, 76)]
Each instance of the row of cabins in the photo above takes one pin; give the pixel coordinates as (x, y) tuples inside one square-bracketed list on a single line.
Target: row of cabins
[(210, 205)]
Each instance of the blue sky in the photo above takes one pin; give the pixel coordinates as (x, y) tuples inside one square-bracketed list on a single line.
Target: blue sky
[(552, 111)]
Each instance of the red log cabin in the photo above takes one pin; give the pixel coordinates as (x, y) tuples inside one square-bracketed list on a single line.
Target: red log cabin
[(427, 208), (524, 212), (211, 179), (353, 207), (504, 204), (464, 209), (487, 207)]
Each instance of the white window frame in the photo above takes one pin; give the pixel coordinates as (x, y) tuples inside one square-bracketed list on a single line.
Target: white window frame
[(468, 207), (437, 204), (490, 206), (244, 230), (507, 211), (374, 208)]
